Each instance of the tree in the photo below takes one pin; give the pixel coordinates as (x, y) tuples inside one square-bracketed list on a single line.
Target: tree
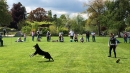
[(63, 20), (55, 20), (95, 9), (50, 16), (116, 14), (18, 13), (5, 17), (77, 24), (39, 14)]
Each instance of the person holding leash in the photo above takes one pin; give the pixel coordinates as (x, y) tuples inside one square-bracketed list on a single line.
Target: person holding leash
[(112, 43)]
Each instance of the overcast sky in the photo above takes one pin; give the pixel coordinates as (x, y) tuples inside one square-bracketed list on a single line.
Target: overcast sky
[(71, 7)]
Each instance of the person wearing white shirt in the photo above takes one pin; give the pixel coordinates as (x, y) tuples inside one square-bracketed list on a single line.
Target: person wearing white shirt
[(71, 33)]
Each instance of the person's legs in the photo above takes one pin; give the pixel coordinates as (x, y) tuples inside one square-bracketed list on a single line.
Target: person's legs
[(129, 39), (71, 38), (1, 42), (110, 48), (124, 40), (114, 50), (24, 39), (48, 38), (94, 38), (32, 38), (88, 39)]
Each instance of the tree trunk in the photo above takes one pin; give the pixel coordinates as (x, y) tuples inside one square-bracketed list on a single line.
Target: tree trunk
[(99, 32)]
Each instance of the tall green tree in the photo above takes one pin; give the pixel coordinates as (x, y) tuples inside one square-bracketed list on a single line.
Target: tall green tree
[(50, 15), (5, 16), (95, 9), (116, 14), (63, 20), (78, 24)]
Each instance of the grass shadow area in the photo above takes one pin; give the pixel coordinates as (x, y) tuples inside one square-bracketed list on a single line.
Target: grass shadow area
[(45, 61)]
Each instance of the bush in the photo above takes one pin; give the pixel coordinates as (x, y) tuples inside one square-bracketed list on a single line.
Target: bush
[(26, 29), (34, 27), (127, 29), (64, 30), (44, 31), (53, 30), (115, 31)]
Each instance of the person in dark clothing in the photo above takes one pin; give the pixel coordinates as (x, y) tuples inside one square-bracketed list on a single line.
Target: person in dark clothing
[(1, 41), (87, 36), (125, 37), (48, 35), (4, 31), (112, 43), (38, 35)]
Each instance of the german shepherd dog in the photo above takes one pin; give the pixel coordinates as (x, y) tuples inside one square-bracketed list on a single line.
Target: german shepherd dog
[(40, 52)]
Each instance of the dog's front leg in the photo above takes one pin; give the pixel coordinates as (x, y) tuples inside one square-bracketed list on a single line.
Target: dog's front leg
[(33, 54)]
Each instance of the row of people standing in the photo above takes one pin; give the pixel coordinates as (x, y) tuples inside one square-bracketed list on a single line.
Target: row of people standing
[(74, 36), (38, 33)]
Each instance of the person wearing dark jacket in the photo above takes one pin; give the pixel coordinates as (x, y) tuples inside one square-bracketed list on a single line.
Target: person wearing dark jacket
[(112, 43), (87, 36), (1, 41)]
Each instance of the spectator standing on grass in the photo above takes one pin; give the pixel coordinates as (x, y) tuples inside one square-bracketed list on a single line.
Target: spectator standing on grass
[(61, 39), (38, 35), (112, 43), (93, 36), (24, 37), (71, 33), (33, 34), (1, 41), (129, 37), (87, 36), (48, 35), (125, 37), (4, 31)]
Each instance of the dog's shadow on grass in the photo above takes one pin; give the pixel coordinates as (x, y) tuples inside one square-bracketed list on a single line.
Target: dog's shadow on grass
[(45, 61), (3, 46), (122, 58)]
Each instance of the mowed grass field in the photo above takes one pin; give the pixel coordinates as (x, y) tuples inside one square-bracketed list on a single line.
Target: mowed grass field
[(70, 57)]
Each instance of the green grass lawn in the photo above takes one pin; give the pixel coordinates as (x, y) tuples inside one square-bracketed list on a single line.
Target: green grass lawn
[(70, 57)]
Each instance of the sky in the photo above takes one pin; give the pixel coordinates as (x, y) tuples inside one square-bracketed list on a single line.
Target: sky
[(70, 7)]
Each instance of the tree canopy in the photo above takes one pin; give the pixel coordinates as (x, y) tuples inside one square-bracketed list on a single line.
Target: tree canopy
[(39, 14), (18, 13), (5, 16)]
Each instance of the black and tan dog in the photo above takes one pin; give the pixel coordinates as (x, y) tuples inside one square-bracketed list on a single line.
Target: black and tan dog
[(40, 52)]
